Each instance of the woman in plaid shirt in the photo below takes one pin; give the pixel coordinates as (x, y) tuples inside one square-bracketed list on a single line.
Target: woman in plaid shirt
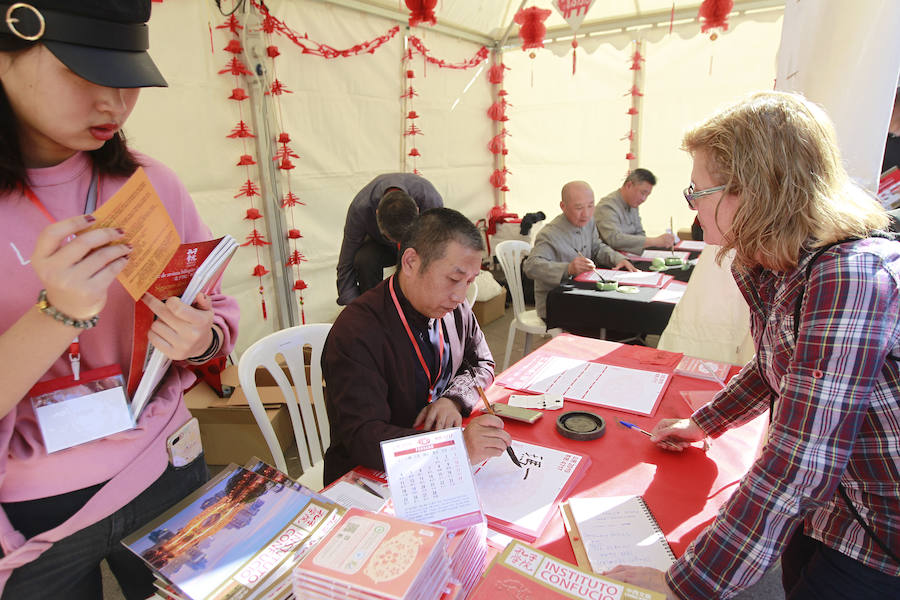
[(768, 184)]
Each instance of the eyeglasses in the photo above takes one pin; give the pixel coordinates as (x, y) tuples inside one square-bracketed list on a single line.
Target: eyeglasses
[(690, 195)]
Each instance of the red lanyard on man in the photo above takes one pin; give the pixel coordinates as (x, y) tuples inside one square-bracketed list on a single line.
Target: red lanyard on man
[(431, 383), (90, 203)]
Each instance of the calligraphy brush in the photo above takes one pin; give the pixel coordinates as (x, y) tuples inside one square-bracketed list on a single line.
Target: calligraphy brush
[(487, 407), (672, 231), (602, 279)]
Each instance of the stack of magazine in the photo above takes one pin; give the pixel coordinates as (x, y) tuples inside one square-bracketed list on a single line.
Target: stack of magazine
[(376, 556), (238, 536), (195, 268)]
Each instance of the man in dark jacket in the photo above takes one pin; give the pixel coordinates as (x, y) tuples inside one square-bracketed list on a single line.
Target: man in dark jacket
[(408, 353)]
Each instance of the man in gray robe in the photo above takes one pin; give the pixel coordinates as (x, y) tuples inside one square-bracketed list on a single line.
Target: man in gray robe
[(569, 245), (618, 220)]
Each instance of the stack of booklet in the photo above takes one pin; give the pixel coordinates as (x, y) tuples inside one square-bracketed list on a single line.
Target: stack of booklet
[(238, 536), (376, 556)]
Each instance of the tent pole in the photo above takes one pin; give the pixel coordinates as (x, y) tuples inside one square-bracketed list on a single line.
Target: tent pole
[(286, 311)]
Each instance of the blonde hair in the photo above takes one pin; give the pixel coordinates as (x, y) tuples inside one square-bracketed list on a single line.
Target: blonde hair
[(778, 153)]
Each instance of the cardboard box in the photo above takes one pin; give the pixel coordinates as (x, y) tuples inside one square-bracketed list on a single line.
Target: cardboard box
[(230, 433), (488, 311)]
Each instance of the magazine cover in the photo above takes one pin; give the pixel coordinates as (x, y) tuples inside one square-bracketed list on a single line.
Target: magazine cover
[(228, 536)]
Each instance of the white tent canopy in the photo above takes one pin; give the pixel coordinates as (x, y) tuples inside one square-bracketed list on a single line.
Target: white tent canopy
[(346, 119)]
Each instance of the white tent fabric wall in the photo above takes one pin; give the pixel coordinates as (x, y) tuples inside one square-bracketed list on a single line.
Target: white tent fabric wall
[(569, 127), (854, 81), (345, 121)]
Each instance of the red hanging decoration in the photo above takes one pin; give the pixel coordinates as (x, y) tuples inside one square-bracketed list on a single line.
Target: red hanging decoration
[(231, 24), (253, 214), (531, 26), (574, 49), (496, 72), (497, 111), (498, 179), (256, 239), (259, 271), (714, 14), (497, 145), (636, 60), (631, 111), (272, 51), (421, 11), (290, 200), (238, 94), (246, 160), (294, 234), (240, 131), (295, 258), (235, 67), (300, 285), (234, 46)]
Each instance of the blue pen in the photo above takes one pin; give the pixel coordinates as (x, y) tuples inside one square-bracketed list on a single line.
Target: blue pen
[(635, 427)]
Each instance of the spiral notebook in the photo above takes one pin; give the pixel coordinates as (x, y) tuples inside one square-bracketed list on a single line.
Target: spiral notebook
[(616, 530)]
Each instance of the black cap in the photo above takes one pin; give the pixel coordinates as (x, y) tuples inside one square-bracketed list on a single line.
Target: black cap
[(103, 41)]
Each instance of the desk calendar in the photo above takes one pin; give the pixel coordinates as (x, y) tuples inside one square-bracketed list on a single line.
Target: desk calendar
[(430, 479)]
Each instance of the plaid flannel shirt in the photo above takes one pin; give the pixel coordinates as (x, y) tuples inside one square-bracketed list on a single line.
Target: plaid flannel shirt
[(836, 418)]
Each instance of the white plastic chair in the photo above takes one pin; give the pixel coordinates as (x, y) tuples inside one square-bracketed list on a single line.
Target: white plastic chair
[(308, 416), (509, 253)]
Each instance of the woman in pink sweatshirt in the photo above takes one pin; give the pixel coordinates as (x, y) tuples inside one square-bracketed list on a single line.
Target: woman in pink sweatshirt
[(70, 74)]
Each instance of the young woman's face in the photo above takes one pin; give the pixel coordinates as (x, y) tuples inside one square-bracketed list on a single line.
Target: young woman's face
[(58, 112)]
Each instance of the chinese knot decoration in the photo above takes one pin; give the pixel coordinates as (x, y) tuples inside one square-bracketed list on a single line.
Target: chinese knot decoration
[(635, 93), (412, 130), (283, 163), (714, 14), (497, 113), (249, 189), (421, 11)]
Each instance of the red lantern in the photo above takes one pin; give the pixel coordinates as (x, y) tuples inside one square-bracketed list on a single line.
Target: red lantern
[(421, 11), (531, 26), (714, 13)]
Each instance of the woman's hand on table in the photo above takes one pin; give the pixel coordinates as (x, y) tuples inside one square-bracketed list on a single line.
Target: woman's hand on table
[(440, 414), (485, 438), (180, 331), (645, 577), (676, 434)]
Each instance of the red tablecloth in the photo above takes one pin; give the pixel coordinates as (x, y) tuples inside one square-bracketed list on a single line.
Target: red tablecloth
[(683, 490)]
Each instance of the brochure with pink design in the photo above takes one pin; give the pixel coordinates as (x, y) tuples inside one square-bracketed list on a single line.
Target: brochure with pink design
[(370, 555)]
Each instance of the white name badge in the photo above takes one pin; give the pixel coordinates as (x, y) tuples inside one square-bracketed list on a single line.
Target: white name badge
[(71, 412)]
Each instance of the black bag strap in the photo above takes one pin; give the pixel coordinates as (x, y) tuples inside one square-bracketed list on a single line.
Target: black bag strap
[(797, 309)]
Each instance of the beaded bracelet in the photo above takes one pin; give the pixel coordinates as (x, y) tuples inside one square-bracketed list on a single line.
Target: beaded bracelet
[(51, 311), (210, 351)]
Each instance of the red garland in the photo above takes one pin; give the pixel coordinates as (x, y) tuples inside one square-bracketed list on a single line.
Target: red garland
[(531, 26), (480, 56), (714, 13), (421, 11), (272, 24)]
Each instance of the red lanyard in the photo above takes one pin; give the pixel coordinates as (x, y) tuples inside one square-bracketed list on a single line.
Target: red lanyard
[(412, 339), (90, 203)]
